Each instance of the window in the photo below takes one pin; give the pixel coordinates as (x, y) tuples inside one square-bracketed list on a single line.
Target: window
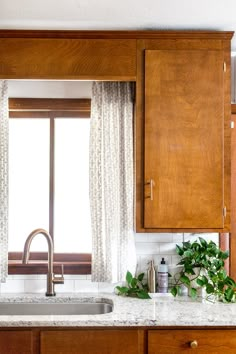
[(48, 183)]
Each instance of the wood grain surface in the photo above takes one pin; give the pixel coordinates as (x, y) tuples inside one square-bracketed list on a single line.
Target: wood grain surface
[(92, 342), (179, 341), (184, 138), (78, 59)]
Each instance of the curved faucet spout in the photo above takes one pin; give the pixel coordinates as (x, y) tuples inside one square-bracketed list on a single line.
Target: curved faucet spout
[(28, 241), (50, 277)]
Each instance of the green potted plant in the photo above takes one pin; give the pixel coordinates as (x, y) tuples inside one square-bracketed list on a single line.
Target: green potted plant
[(203, 266), (135, 287)]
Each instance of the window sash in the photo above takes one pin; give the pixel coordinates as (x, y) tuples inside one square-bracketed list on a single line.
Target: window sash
[(74, 263)]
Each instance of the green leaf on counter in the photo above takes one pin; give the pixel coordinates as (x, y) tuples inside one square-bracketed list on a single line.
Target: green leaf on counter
[(193, 292), (174, 291), (134, 282), (135, 287), (140, 277), (129, 277), (143, 295)]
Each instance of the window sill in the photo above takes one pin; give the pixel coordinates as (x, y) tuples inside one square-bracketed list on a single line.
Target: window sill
[(42, 268), (73, 264)]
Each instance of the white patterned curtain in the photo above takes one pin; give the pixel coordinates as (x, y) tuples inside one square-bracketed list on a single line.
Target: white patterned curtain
[(111, 181), (3, 180)]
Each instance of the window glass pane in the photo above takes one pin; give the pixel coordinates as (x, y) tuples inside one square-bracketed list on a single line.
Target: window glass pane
[(72, 231), (28, 181)]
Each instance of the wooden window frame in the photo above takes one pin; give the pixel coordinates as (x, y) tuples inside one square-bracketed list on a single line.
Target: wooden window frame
[(74, 263)]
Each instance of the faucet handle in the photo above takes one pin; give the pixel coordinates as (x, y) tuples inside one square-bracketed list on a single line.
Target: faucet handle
[(59, 279)]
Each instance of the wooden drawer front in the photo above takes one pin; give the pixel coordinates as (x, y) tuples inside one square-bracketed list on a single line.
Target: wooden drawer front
[(16, 342), (179, 341), (68, 58), (92, 342)]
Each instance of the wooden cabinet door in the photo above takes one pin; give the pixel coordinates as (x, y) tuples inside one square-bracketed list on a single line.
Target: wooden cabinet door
[(16, 342), (92, 342), (190, 341), (233, 197), (184, 119)]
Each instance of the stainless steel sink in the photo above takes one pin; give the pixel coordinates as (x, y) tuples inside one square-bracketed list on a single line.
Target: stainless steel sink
[(85, 308)]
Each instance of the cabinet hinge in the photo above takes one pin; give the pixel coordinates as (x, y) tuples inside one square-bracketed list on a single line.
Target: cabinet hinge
[(224, 66), (232, 124), (224, 211)]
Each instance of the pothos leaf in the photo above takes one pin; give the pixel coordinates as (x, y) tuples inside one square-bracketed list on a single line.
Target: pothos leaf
[(134, 288), (174, 291), (140, 276), (122, 289), (179, 250), (134, 282), (143, 295), (203, 242), (193, 293), (185, 279), (129, 277)]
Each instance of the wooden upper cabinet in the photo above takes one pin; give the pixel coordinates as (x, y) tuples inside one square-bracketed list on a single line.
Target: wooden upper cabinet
[(182, 111), (68, 58), (184, 139)]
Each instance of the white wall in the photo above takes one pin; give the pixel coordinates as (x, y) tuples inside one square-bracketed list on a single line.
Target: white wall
[(123, 14), (233, 77)]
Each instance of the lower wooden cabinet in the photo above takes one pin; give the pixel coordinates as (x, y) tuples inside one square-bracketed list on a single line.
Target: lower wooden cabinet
[(117, 341), (201, 341), (16, 342), (92, 342)]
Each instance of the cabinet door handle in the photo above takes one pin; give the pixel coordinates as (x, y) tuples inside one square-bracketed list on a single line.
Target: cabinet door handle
[(193, 344), (152, 184)]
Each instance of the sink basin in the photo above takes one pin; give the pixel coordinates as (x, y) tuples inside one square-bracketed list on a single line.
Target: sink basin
[(84, 308)]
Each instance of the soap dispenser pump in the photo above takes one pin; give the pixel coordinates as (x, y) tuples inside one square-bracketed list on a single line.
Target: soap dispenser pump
[(151, 278)]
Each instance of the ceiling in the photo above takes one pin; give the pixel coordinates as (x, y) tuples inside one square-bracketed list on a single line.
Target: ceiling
[(122, 14)]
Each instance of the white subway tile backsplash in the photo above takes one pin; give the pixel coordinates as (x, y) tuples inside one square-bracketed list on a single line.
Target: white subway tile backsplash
[(75, 277), (13, 286), (141, 237), (85, 286), (148, 246), (17, 277), (67, 287), (107, 287), (168, 248), (162, 237), (35, 286), (178, 237)]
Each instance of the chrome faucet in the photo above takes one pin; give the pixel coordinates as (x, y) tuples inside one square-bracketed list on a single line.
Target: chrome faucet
[(51, 278)]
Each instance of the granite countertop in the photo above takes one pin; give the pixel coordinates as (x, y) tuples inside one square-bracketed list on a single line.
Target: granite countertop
[(162, 310)]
